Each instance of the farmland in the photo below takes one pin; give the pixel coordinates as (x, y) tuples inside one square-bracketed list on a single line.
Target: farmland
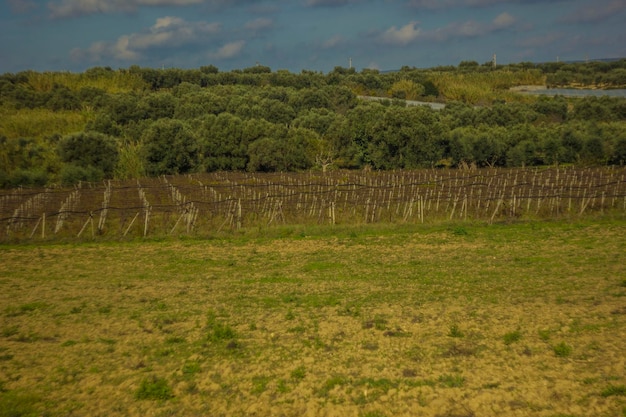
[(452, 318), (214, 203)]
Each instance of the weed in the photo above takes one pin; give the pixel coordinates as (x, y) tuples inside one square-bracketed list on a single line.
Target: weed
[(190, 369), (415, 353), (512, 337), (299, 373), (104, 309), (459, 231), (544, 335), (455, 331), (154, 388), (611, 390), (451, 381), (461, 349), (220, 332), (379, 322), (174, 340), (282, 386), (10, 331), (373, 414), (15, 404), (259, 384), (562, 350), (369, 345), (24, 309), (330, 384), (297, 329)]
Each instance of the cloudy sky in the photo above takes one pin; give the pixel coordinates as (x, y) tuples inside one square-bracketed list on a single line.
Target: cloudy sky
[(304, 34)]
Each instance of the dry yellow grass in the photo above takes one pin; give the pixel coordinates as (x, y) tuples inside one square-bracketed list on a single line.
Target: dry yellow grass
[(438, 321)]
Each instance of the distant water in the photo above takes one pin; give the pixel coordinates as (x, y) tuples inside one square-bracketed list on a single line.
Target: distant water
[(574, 92)]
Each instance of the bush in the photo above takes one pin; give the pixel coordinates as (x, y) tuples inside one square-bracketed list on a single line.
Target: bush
[(90, 149), (24, 178), (72, 174)]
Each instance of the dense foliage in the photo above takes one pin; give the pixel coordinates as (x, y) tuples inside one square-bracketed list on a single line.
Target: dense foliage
[(104, 123)]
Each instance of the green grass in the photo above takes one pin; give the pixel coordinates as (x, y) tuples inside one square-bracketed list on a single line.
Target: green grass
[(562, 350), (611, 390), (154, 388), (355, 320), (512, 337)]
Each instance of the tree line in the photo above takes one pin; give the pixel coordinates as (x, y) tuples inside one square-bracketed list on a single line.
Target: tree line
[(128, 123)]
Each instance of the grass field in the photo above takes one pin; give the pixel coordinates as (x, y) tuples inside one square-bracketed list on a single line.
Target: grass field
[(379, 320)]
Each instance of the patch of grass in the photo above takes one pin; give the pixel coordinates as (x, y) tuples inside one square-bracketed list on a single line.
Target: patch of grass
[(562, 350), (379, 322), (451, 381), (330, 384), (154, 388), (374, 413), (614, 390), (26, 308), (455, 331), (545, 334), (219, 332), (259, 384), (171, 340), (10, 331), (461, 349), (512, 337), (459, 231), (190, 369), (299, 373), (16, 404)]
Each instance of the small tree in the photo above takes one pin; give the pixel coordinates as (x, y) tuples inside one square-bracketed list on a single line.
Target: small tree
[(169, 147), (90, 150)]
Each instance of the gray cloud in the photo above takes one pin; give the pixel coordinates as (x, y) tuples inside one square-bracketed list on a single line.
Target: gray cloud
[(167, 32), (73, 8), (446, 4), (468, 29), (228, 51), (329, 3), (596, 12)]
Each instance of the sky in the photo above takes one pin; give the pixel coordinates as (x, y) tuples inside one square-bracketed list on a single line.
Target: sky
[(297, 35)]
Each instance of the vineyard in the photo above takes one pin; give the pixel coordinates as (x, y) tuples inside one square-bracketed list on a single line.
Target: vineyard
[(207, 203)]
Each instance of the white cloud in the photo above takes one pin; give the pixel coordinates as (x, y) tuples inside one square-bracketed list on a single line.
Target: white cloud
[(229, 51), (503, 20), (333, 42), (167, 32), (406, 34)]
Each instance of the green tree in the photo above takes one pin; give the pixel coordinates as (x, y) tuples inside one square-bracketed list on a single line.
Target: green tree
[(169, 147), (90, 150)]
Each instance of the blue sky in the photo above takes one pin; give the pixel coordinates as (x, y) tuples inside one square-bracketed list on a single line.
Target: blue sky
[(73, 35)]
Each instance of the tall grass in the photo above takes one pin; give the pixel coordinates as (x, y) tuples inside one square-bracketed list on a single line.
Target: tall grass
[(477, 87), (109, 81), (38, 123)]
